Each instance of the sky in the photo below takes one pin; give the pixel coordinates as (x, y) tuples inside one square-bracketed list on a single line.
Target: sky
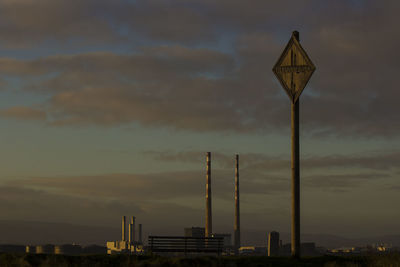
[(107, 108)]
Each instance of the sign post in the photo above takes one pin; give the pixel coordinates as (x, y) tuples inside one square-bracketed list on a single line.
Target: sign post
[(293, 70)]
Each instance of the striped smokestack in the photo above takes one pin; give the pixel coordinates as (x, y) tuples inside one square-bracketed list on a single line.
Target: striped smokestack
[(237, 207), (208, 197)]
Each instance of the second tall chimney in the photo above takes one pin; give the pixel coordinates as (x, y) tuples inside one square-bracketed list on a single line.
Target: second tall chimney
[(237, 207), (208, 197)]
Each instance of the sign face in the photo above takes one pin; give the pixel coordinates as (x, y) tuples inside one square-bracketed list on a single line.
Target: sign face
[(293, 69)]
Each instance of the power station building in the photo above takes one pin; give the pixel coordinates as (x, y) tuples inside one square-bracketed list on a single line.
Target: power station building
[(127, 245), (227, 239), (195, 232), (66, 249), (273, 244)]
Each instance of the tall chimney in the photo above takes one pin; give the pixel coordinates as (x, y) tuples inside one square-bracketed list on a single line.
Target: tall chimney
[(208, 197), (123, 228), (132, 230), (237, 207), (140, 233)]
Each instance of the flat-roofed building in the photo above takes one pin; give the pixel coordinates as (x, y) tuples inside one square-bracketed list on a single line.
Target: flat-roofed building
[(273, 244), (123, 246), (195, 232), (45, 249), (68, 249), (227, 239)]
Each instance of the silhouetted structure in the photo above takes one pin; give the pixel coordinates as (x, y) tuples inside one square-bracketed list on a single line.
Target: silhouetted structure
[(123, 228), (237, 208), (273, 244), (30, 249), (124, 245), (68, 249), (181, 244), (194, 232), (140, 234), (197, 232), (227, 238), (94, 249), (252, 251), (45, 249), (208, 197), (132, 230), (293, 70), (306, 249), (12, 248)]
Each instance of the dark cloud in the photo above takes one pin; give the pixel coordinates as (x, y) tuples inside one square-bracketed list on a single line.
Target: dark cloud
[(204, 66), (25, 23), (373, 160), (39, 205), (182, 86), (3, 84), (121, 186), (102, 199), (110, 89), (395, 187), (168, 185), (44, 205), (264, 174), (382, 161), (341, 182), (23, 113)]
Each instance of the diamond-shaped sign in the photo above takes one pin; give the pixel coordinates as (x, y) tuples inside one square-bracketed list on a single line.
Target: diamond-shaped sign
[(294, 69)]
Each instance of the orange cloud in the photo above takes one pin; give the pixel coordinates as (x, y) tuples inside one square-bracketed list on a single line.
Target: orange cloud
[(23, 113)]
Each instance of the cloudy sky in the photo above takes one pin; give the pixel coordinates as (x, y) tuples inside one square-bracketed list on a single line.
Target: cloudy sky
[(107, 108)]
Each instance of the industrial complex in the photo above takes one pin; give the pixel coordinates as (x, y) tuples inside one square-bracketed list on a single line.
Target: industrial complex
[(196, 240), (127, 245)]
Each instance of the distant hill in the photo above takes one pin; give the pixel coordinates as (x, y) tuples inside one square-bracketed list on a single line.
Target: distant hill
[(20, 232), (325, 240)]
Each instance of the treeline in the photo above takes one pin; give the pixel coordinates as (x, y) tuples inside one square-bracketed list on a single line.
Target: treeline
[(43, 260)]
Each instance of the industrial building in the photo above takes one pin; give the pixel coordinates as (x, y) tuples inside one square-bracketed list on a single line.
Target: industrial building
[(227, 239), (307, 249), (8, 248), (127, 245), (68, 249), (65, 249), (273, 244), (195, 232), (45, 249)]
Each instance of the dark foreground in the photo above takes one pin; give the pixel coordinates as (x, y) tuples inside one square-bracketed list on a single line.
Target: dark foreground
[(391, 260)]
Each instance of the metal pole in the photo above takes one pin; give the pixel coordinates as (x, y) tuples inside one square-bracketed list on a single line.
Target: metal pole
[(208, 197), (237, 208), (295, 173)]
